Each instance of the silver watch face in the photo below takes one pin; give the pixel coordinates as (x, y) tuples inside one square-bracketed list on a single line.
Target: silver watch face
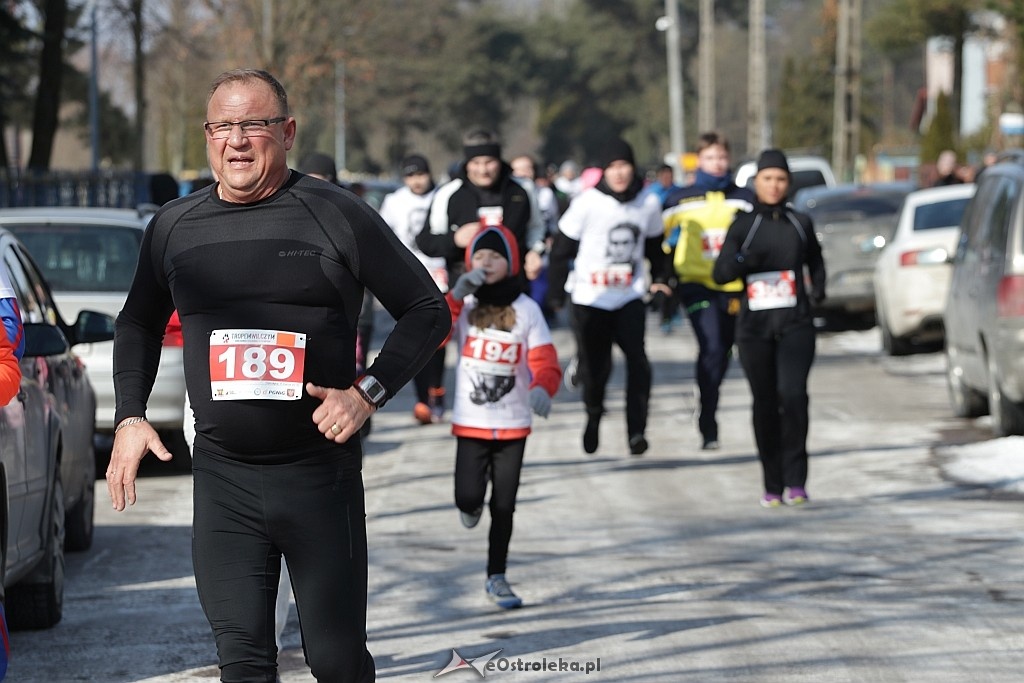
[(374, 389)]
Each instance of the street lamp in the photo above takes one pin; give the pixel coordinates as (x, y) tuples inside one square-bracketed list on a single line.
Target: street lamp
[(669, 24)]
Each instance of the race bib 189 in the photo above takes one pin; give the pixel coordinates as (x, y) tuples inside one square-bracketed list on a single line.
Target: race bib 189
[(256, 364)]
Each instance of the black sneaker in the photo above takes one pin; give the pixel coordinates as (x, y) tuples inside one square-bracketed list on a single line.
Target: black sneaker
[(471, 519), (637, 444), (590, 434)]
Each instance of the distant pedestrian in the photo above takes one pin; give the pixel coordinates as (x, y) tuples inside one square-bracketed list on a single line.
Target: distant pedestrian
[(484, 188), (607, 232), (405, 210), (507, 369), (769, 249), (948, 169), (664, 183)]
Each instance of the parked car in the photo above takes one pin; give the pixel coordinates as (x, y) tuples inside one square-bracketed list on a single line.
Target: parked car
[(984, 316), (853, 222), (913, 271), (805, 171), (89, 256), (46, 454), (374, 191)]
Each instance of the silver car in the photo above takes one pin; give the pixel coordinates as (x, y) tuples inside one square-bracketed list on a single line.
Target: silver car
[(47, 468), (853, 222), (89, 255), (984, 317)]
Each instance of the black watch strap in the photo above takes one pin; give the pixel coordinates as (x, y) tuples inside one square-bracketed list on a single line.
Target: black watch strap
[(371, 390)]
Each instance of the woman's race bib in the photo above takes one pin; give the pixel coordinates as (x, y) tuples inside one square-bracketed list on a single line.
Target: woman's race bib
[(772, 289), (256, 364)]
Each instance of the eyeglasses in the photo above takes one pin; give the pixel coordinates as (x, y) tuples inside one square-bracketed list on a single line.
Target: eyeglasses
[(256, 128)]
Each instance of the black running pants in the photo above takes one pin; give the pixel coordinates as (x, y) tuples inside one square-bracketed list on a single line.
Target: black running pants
[(245, 517)]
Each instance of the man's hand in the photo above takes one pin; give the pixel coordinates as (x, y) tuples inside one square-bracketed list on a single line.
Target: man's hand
[(341, 412), (660, 287), (533, 265), (464, 235), (131, 444)]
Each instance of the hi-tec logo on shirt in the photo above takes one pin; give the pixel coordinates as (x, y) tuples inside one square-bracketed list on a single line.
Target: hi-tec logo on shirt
[(298, 252), (478, 663)]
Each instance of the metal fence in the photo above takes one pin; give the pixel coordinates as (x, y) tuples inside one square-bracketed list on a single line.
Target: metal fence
[(114, 189)]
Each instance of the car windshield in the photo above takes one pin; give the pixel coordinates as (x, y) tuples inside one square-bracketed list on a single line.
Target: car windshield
[(854, 206), (83, 258), (945, 214), (802, 179)]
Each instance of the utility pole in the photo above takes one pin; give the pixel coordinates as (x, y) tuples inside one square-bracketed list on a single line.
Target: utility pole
[(94, 100), (846, 103), (757, 74), (267, 46), (706, 85), (340, 152), (670, 25)]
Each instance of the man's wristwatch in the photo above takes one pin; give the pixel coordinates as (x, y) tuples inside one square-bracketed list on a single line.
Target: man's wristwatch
[(371, 390)]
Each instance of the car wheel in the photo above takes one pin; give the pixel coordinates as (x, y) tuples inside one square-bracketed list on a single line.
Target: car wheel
[(80, 519), (893, 345), (1007, 416), (966, 402), (38, 601)]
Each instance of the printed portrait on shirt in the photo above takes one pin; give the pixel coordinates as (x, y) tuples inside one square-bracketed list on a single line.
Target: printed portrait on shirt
[(490, 388), (622, 240)]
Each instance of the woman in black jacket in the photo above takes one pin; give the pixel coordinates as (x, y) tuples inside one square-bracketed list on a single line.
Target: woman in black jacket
[(775, 251)]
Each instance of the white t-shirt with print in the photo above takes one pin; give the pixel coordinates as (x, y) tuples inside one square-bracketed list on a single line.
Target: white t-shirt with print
[(609, 267), (492, 378)]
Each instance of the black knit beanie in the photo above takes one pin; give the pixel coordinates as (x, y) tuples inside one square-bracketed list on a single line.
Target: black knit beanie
[(498, 239), (320, 164), (772, 158), (616, 150)]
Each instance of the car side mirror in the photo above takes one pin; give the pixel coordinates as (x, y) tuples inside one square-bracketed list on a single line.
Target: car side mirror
[(44, 340), (92, 326)]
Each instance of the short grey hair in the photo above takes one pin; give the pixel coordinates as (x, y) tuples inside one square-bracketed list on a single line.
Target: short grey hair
[(250, 76)]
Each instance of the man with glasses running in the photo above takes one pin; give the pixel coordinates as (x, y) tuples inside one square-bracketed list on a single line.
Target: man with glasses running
[(267, 272)]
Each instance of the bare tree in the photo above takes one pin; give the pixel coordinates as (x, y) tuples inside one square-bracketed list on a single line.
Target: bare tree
[(51, 69)]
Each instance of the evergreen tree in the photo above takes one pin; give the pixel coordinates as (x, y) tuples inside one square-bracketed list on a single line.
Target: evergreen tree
[(939, 135)]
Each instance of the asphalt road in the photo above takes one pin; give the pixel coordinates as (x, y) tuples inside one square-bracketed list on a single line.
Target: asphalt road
[(662, 567)]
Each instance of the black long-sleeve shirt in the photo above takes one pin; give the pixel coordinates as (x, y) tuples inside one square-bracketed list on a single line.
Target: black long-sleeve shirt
[(296, 261), (772, 238)]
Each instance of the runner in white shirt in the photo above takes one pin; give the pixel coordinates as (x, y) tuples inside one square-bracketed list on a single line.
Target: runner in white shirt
[(405, 210), (609, 230)]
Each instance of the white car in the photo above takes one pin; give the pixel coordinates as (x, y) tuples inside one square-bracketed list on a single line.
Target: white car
[(88, 255), (806, 171), (913, 271)]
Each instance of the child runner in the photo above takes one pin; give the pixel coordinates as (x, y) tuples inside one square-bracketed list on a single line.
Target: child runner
[(507, 368)]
